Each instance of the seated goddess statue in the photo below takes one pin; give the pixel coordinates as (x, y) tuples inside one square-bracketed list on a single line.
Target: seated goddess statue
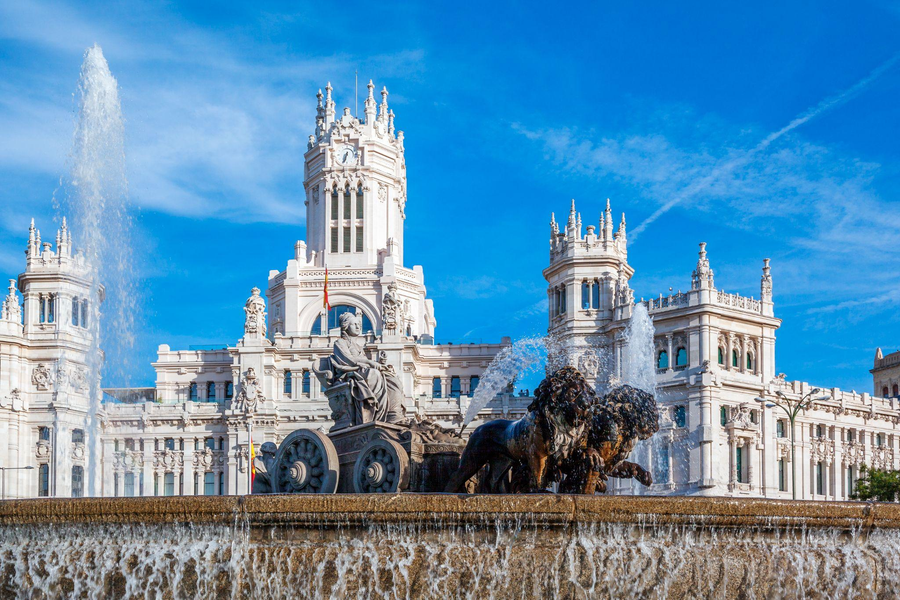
[(376, 394)]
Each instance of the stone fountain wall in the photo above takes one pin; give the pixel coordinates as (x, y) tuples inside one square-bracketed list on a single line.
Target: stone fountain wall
[(446, 546)]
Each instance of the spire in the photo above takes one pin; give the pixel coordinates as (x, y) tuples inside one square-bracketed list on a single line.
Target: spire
[(554, 226), (391, 122), (320, 109), (31, 240), (329, 105), (608, 223), (383, 110), (622, 227), (370, 104)]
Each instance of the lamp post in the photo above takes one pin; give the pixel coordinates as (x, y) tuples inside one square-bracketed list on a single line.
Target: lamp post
[(792, 408), (3, 471)]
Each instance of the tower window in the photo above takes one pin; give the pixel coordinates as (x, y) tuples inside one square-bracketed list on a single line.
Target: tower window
[(359, 238), (436, 387), (211, 391), (84, 313), (334, 205), (585, 295), (346, 239), (334, 239), (681, 357), (662, 360), (76, 310), (347, 203), (359, 203), (595, 295), (287, 383), (51, 308), (42, 313)]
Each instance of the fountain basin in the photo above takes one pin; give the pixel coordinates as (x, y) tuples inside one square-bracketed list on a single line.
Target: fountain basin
[(448, 546)]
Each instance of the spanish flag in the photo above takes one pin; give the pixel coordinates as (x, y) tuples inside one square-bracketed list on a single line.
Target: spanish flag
[(325, 299), (252, 465)]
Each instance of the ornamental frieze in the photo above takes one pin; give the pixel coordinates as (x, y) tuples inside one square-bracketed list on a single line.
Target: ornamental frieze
[(822, 449), (168, 459)]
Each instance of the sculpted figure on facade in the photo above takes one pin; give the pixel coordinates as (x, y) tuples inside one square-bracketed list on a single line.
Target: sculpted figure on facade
[(12, 311), (255, 310), (251, 392), (40, 377), (374, 391), (391, 310)]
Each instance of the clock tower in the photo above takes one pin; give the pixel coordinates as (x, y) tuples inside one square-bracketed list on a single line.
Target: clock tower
[(355, 184)]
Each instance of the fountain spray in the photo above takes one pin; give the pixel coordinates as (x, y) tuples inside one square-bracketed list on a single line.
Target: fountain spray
[(96, 198)]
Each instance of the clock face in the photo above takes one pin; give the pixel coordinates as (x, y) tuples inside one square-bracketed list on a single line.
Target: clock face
[(346, 155)]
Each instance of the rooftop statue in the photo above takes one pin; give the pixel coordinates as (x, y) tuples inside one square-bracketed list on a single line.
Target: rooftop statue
[(375, 392)]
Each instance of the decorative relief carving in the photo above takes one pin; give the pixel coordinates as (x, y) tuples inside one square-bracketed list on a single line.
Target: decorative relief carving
[(40, 377), (251, 392), (168, 460), (255, 311)]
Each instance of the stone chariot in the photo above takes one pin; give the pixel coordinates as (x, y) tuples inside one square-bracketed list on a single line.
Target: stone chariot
[(372, 447)]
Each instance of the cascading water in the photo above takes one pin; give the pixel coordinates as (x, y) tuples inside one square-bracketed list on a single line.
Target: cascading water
[(96, 198)]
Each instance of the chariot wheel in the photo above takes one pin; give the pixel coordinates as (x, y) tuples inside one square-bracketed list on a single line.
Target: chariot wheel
[(306, 463), (381, 467)]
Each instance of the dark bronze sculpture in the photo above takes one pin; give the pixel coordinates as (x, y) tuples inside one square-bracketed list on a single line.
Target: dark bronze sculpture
[(522, 455), (569, 436)]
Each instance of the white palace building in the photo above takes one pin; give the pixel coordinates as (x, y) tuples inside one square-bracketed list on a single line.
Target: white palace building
[(715, 355)]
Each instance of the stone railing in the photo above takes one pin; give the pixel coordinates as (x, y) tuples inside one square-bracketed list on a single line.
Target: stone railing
[(737, 301), (664, 302)]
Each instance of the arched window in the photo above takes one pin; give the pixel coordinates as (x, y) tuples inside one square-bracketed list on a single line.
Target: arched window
[(306, 383), (229, 390), (84, 313), (287, 383), (595, 295), (585, 295), (884, 392), (681, 357), (662, 360), (735, 361), (896, 390), (749, 361), (436, 387), (334, 206), (211, 391), (192, 392), (77, 481), (76, 310), (334, 319), (51, 308), (721, 355)]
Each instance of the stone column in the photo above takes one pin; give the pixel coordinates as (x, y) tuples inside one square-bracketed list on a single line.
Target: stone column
[(669, 352), (729, 352)]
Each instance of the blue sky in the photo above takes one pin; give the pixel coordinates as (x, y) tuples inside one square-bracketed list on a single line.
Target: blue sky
[(509, 110)]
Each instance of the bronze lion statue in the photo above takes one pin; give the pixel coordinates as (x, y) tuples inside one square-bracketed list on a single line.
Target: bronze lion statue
[(522, 455), (618, 421)]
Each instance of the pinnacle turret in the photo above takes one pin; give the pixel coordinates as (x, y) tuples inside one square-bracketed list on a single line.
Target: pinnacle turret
[(370, 103), (383, 109)]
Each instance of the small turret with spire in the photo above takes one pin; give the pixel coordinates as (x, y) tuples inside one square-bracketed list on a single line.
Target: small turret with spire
[(370, 104), (329, 106), (608, 223), (383, 109)]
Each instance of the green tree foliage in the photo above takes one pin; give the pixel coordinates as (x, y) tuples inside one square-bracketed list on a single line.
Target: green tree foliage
[(876, 484)]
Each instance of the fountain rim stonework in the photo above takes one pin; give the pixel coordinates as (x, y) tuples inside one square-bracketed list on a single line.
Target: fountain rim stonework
[(559, 510)]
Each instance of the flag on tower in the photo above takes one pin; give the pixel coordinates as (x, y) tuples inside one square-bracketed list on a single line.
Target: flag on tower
[(325, 299)]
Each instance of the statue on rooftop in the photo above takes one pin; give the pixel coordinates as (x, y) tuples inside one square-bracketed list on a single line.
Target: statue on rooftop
[(255, 310), (375, 392)]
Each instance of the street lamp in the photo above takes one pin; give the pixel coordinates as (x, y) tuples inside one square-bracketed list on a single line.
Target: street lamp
[(3, 471), (792, 408)]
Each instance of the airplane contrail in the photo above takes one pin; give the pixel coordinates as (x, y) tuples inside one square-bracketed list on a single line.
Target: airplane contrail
[(725, 168)]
